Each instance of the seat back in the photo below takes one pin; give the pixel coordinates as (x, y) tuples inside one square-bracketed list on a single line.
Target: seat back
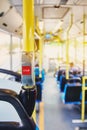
[(74, 80), (72, 94), (27, 123)]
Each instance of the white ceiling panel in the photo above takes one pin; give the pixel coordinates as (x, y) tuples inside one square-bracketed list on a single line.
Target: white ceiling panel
[(74, 31), (50, 25), (38, 12), (77, 2), (16, 2), (11, 22), (83, 2), (54, 13), (51, 1), (4, 6)]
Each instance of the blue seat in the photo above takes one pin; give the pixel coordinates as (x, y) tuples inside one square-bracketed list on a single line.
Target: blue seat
[(39, 86), (63, 82), (37, 71), (39, 91), (72, 94), (43, 75)]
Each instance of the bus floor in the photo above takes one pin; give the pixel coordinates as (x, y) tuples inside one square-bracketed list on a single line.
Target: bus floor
[(54, 115)]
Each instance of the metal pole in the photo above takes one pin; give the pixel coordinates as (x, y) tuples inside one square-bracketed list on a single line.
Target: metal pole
[(40, 45), (84, 78), (28, 76), (28, 44), (28, 25)]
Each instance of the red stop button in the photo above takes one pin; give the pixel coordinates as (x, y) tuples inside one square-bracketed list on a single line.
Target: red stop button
[(26, 70)]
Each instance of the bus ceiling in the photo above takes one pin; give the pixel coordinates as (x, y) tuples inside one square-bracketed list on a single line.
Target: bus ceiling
[(53, 16)]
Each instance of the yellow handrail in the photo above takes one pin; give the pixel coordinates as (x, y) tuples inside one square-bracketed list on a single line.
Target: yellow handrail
[(40, 45), (28, 25), (84, 27)]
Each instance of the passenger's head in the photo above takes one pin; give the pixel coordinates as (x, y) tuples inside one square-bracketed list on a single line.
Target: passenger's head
[(71, 64), (36, 65)]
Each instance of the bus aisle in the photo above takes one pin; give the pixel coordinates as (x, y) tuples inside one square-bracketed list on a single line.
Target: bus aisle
[(56, 114)]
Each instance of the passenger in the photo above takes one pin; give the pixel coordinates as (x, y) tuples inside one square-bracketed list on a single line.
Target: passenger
[(38, 83), (37, 71), (75, 73), (43, 74), (63, 81), (59, 73), (71, 66), (74, 70)]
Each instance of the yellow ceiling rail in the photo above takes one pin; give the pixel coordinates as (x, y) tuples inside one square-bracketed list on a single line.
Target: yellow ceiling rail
[(67, 48)]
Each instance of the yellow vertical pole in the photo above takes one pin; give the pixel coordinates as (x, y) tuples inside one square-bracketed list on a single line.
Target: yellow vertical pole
[(83, 99), (40, 55), (28, 25), (83, 87), (75, 50), (28, 49), (36, 23), (84, 24), (40, 46), (67, 49), (28, 37), (67, 57)]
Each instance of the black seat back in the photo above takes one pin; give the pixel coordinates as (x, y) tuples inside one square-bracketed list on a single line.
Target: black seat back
[(74, 80), (27, 122), (72, 94), (9, 72)]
